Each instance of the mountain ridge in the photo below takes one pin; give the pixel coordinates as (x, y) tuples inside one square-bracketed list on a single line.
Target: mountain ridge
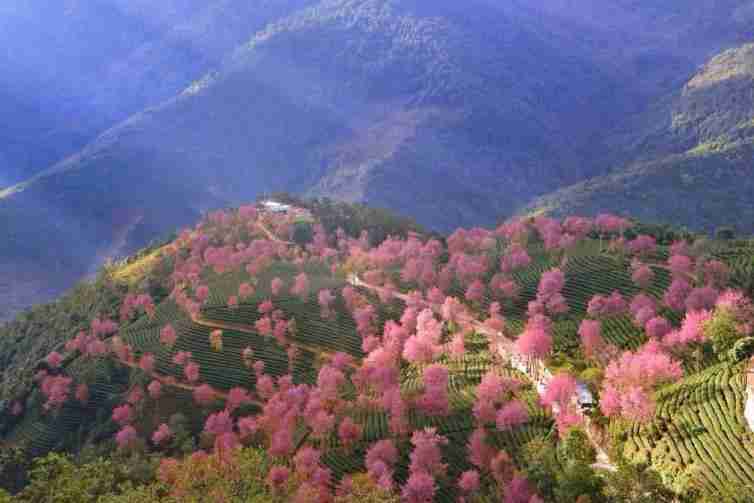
[(700, 170), (367, 100)]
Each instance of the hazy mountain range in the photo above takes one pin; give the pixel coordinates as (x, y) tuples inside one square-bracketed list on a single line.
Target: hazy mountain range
[(127, 118)]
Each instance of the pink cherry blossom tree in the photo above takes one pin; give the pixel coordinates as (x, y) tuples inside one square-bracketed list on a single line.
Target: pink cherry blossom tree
[(642, 274), (592, 343), (631, 379), (168, 336), (300, 286)]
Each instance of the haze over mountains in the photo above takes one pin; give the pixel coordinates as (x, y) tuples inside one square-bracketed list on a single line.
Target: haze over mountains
[(129, 118), (696, 167)]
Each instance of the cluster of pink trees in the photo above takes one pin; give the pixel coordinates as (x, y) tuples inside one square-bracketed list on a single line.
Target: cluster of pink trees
[(326, 298), (608, 224), (601, 306), (217, 245), (434, 400), (56, 389), (190, 368), (642, 274), (550, 299), (495, 402), (642, 308), (512, 487), (593, 344), (642, 245), (696, 284), (274, 324), (91, 344), (516, 258), (631, 379), (560, 395), (380, 460), (691, 331), (476, 265), (300, 286), (426, 464), (554, 234), (740, 308), (535, 342), (168, 336), (133, 303), (424, 346)]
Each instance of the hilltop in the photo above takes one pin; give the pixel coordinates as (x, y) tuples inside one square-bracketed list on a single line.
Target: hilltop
[(546, 358)]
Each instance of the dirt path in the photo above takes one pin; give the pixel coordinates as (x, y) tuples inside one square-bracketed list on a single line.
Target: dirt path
[(247, 329), (272, 237), (171, 381)]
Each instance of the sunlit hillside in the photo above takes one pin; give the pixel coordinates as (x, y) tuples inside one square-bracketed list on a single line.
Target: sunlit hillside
[(306, 350)]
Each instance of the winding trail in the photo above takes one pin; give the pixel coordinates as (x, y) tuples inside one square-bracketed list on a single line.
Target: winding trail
[(272, 237), (173, 382), (248, 329)]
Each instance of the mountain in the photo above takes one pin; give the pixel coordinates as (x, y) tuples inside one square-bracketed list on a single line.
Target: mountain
[(454, 114), (696, 167), (74, 68)]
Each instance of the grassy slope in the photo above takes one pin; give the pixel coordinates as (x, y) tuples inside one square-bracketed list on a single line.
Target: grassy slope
[(697, 170), (698, 189)]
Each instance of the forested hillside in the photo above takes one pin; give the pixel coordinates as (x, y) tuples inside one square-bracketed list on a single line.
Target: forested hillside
[(73, 69), (320, 351), (696, 164)]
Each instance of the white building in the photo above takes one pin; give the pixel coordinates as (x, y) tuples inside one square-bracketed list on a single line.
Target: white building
[(583, 395), (275, 207)]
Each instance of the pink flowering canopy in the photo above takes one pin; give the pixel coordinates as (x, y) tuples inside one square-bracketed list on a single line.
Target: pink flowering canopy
[(631, 379), (400, 326), (534, 342), (642, 274)]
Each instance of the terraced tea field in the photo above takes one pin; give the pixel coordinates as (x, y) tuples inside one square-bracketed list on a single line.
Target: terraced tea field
[(40, 432), (700, 429), (698, 433)]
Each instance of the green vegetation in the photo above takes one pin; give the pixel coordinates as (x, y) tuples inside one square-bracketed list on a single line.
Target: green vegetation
[(699, 433), (354, 218), (696, 444), (694, 171), (239, 479), (25, 341), (36, 332)]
